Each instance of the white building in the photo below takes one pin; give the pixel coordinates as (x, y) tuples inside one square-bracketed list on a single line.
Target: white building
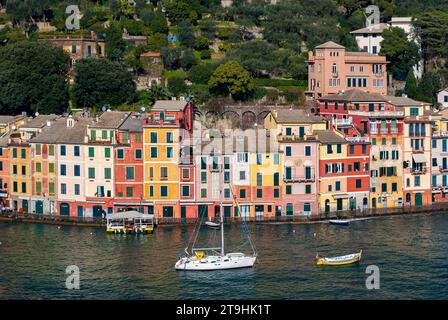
[(369, 38), (442, 98)]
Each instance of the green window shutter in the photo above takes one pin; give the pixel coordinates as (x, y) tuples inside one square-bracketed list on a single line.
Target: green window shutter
[(163, 191), (23, 153), (104, 134), (91, 152), (91, 173), (151, 191), (107, 173), (138, 137), (38, 167), (129, 173), (38, 187), (14, 153), (277, 193), (129, 192), (107, 152), (51, 150), (51, 167), (51, 187), (93, 135)]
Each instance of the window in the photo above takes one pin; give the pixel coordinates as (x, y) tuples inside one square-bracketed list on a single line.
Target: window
[(276, 160), (51, 150), (259, 193), (329, 149), (259, 159), (288, 151), (276, 179), (76, 151), (38, 187), (151, 191), (414, 111), (163, 191), (242, 175), (51, 167), (337, 186), (307, 151), (185, 191), (358, 183), (185, 174), (38, 149), (93, 135), (107, 173), (288, 131), (138, 153), (227, 193), (364, 149), (203, 193), (14, 186), (23, 187), (63, 188), (77, 189), (308, 189), (373, 141), (243, 193), (153, 137), (288, 189), (138, 137), (417, 181), (259, 179), (120, 153), (63, 169), (153, 152), (38, 167), (384, 187), (23, 153), (129, 192), (169, 137), (352, 149), (434, 143), (91, 173), (63, 150), (276, 193), (338, 148), (23, 170), (163, 173), (130, 173), (104, 135), (91, 152), (169, 152), (107, 152), (394, 187), (14, 153), (394, 141), (203, 177)]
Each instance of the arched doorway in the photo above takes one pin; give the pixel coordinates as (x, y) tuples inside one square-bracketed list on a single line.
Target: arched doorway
[(64, 209)]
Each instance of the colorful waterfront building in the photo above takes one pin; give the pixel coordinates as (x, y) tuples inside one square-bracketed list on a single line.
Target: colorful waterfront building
[(21, 160), (4, 170), (376, 119), (417, 136), (71, 165), (167, 124), (10, 123), (332, 69), (128, 164), (439, 161), (344, 172), (294, 130), (99, 152)]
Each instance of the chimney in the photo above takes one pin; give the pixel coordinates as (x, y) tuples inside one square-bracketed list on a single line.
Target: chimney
[(48, 123)]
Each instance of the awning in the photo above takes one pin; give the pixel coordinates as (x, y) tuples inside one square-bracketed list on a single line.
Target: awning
[(419, 158), (340, 196), (129, 215)]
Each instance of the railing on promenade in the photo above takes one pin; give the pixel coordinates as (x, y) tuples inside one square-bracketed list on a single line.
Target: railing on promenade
[(295, 218)]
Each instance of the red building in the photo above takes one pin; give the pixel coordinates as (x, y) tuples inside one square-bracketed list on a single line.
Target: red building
[(128, 166)]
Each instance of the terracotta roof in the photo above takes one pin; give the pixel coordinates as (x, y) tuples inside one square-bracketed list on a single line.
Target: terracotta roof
[(330, 137), (39, 122), (355, 95), (110, 120), (134, 123), (58, 132), (150, 54), (376, 28), (330, 45), (403, 101), (296, 116)]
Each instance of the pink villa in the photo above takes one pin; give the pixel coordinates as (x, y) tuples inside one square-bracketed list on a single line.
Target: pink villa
[(300, 146), (332, 69)]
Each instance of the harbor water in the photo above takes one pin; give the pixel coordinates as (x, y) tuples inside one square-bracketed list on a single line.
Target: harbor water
[(411, 253)]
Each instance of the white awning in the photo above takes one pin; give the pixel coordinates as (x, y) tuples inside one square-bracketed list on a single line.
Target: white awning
[(419, 158)]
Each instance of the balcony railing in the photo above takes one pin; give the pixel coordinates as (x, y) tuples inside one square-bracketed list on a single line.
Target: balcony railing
[(417, 171), (358, 139), (343, 122), (282, 137), (335, 74), (419, 150), (311, 178), (443, 169), (440, 134)]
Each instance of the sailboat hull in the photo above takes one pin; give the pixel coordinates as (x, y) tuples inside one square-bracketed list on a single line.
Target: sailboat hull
[(208, 263)]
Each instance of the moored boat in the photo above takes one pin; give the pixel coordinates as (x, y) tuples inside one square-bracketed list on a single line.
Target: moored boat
[(340, 260), (212, 225), (340, 222)]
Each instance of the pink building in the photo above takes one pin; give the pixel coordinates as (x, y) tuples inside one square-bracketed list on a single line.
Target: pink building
[(331, 69)]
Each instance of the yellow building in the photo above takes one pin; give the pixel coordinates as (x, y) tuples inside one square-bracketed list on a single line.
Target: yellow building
[(20, 172), (8, 123)]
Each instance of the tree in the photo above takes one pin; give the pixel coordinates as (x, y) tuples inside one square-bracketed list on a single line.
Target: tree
[(171, 57), (99, 82), (188, 59), (402, 53), (201, 73), (156, 41), (177, 86), (115, 45), (33, 78), (411, 88), (231, 79), (429, 86), (186, 35), (178, 11), (201, 43)]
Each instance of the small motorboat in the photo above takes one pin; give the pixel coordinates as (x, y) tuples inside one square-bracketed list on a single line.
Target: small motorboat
[(212, 225), (339, 261), (340, 222)]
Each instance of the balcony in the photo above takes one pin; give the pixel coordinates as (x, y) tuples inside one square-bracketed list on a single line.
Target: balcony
[(443, 169), (282, 137), (419, 150), (381, 114), (437, 134), (417, 171), (335, 74), (303, 179), (159, 122), (358, 139), (343, 122)]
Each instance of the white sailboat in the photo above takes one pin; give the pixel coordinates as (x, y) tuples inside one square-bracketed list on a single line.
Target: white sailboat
[(203, 259)]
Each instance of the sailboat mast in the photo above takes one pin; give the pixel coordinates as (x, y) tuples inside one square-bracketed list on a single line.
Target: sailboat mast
[(221, 178)]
